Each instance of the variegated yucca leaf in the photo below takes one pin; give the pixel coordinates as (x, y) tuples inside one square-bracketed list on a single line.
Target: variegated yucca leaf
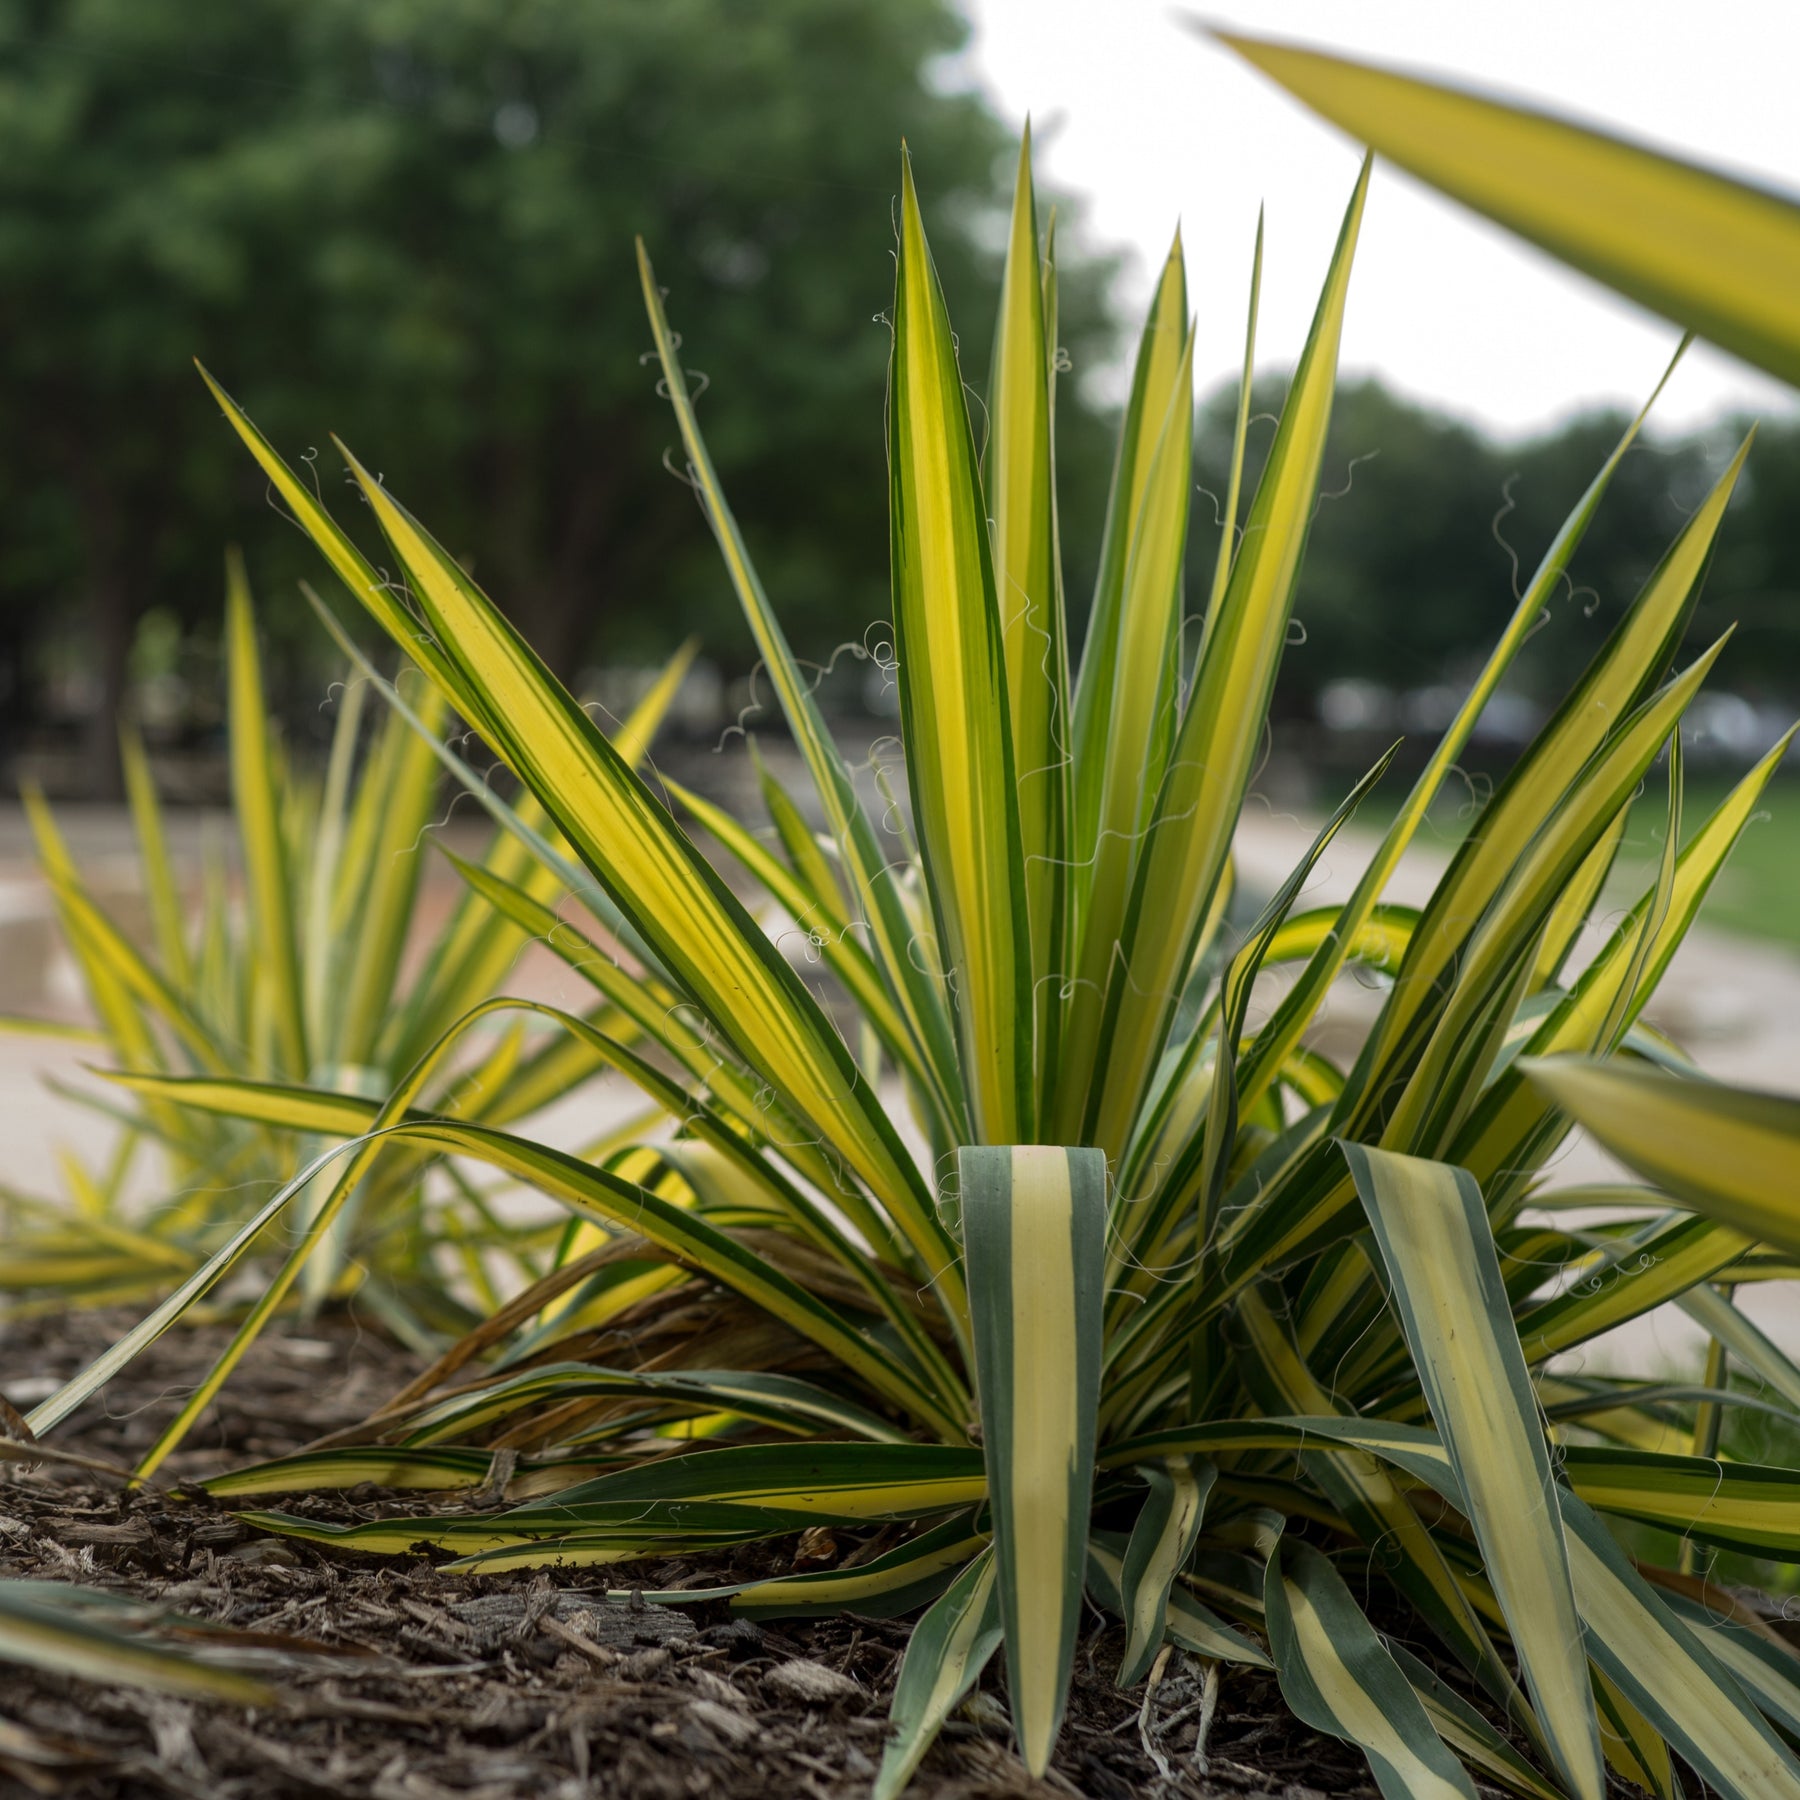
[(961, 765), (948, 1650), (99, 1636), (1715, 255), (1018, 478), (387, 1465), (1034, 1224), (1337, 1675), (1114, 1040), (1162, 1540), (1668, 1673), (1729, 1153), (897, 1581), (1187, 1622), (1445, 1284)]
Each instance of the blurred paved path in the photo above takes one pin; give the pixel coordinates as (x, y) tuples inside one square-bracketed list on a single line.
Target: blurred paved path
[(1733, 1003)]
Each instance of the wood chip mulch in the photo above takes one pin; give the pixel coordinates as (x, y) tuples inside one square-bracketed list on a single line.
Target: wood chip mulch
[(397, 1682)]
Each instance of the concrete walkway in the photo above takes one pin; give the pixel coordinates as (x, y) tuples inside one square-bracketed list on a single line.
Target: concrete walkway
[(1734, 1004)]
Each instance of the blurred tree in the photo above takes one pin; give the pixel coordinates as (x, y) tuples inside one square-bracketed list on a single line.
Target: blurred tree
[(1755, 577), (411, 222), (1409, 571)]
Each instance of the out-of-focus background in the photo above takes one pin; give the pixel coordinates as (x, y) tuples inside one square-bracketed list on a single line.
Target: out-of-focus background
[(411, 223)]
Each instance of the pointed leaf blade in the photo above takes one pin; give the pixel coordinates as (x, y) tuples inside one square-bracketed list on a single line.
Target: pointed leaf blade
[(1337, 1675), (1717, 255), (944, 1658), (1034, 1221), (953, 697)]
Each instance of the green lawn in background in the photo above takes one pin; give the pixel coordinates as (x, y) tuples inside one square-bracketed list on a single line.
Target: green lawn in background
[(1756, 892), (1756, 895)]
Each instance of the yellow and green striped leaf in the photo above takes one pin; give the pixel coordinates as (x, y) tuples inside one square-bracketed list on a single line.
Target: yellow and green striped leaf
[(1162, 1539), (1141, 715), (594, 1534), (44, 1627), (1646, 1273), (1218, 741), (1161, 350), (1762, 1663), (843, 1480), (954, 706), (1669, 1674), (1020, 485), (1749, 1507), (1714, 254), (1730, 1153), (387, 1465), (1337, 1675), (944, 1658), (1034, 1224), (1446, 1287), (886, 1586), (1185, 1621), (782, 1401), (257, 801), (1634, 1748)]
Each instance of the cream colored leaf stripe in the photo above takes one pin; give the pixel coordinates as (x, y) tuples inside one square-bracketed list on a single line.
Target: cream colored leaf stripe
[(1034, 1221)]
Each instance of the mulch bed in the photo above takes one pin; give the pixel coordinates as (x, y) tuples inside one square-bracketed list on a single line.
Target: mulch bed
[(422, 1686)]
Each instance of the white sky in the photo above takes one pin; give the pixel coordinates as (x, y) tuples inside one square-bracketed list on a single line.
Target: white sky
[(1152, 123)]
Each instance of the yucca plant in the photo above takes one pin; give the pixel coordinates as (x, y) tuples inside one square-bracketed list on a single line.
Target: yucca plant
[(1074, 1265), (1721, 257), (303, 963)]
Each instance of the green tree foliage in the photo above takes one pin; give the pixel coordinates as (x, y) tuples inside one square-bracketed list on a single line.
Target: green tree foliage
[(1410, 571), (411, 222)]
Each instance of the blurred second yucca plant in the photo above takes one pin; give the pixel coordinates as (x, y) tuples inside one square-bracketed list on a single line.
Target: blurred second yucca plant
[(1072, 1268), (308, 961)]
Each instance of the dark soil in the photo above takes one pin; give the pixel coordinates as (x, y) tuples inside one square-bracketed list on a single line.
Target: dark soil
[(403, 1683)]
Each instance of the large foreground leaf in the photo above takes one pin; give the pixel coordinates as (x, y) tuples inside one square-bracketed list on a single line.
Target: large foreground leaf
[(1717, 255), (1447, 1288), (1729, 1153), (1669, 1674), (78, 1631)]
